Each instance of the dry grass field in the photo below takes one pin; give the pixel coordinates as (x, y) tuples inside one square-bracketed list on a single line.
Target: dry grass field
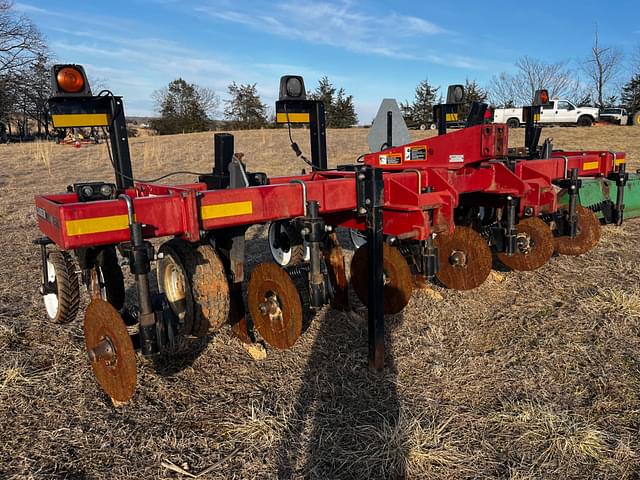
[(533, 375)]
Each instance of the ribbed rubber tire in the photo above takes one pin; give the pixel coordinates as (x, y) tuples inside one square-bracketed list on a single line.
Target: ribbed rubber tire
[(210, 290), (112, 277), (295, 255), (66, 286), (172, 268), (206, 290)]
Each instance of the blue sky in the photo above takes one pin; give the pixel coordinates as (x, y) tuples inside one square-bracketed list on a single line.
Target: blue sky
[(372, 49)]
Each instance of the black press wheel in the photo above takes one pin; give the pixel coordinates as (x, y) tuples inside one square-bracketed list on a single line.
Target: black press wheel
[(111, 278), (63, 303)]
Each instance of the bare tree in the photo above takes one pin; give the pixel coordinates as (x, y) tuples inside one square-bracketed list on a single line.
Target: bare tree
[(20, 40), (602, 67), (531, 75), (22, 51), (209, 100)]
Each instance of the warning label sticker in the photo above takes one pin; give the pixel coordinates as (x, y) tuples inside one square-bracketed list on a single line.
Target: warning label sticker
[(456, 158), (415, 153), (390, 159)]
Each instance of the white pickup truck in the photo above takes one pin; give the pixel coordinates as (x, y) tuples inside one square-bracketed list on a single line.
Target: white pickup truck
[(614, 115), (556, 112)]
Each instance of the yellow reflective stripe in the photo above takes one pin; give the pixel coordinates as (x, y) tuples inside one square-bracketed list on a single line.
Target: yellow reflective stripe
[(85, 226), (207, 212), (536, 117), (619, 161), (452, 117), (80, 120), (590, 165), (293, 117)]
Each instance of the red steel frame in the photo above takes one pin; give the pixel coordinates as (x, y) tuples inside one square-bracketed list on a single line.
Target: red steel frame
[(446, 167)]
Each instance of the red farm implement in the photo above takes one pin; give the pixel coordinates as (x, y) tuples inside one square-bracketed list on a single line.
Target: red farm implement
[(439, 209)]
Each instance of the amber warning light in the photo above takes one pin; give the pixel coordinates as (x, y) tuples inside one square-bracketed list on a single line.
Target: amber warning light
[(70, 80), (541, 97)]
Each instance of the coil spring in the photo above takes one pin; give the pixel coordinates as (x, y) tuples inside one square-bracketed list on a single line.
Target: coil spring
[(298, 271), (547, 217), (596, 207), (405, 250), (486, 232)]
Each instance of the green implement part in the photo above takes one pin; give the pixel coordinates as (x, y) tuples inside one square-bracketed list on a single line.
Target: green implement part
[(596, 193)]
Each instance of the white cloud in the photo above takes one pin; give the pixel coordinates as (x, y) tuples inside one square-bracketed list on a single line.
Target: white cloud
[(338, 25)]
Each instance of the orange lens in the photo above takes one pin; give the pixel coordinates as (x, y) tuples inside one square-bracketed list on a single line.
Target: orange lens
[(70, 80), (544, 97)]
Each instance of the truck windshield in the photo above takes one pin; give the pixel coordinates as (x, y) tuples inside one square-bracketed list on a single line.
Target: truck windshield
[(611, 111)]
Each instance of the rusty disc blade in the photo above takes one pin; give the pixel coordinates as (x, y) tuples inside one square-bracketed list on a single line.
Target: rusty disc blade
[(398, 280), (275, 306), (587, 236), (465, 259), (334, 259), (116, 373), (534, 246)]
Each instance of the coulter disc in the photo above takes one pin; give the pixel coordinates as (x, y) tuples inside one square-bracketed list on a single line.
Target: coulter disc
[(465, 259), (110, 351), (534, 246), (275, 306), (586, 238), (398, 280)]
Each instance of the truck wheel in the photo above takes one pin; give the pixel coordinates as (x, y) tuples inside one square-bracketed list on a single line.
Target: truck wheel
[(585, 121), (513, 123), (423, 127), (432, 126)]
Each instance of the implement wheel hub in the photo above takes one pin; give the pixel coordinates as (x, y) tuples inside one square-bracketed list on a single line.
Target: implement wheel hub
[(458, 258)]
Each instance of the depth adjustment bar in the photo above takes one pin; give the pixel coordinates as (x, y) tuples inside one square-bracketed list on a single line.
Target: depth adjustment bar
[(140, 265), (430, 263), (374, 200), (573, 186), (314, 230), (620, 177), (511, 233)]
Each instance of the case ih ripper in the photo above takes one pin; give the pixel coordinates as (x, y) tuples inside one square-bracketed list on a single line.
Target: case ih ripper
[(438, 208)]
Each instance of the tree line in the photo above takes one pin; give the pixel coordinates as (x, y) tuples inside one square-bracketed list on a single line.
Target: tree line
[(184, 107), (596, 80)]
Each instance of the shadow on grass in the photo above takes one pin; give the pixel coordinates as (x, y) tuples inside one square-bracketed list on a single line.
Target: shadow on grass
[(345, 420)]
